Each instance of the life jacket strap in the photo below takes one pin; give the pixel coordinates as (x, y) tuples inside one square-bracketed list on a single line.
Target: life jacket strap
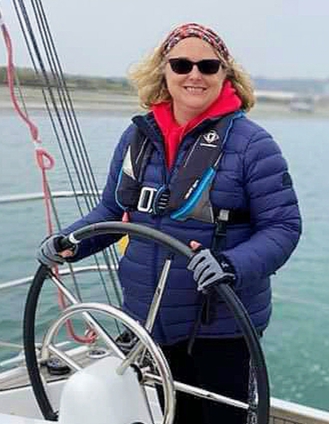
[(155, 201), (225, 217)]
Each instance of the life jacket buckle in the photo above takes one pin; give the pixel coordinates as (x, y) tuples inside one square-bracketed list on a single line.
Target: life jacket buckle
[(161, 201), (146, 198)]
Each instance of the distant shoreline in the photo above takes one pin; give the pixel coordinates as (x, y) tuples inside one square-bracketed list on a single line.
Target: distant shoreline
[(83, 100), (114, 103)]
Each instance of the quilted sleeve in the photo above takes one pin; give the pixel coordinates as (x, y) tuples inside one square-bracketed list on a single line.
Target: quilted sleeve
[(106, 210), (274, 210)]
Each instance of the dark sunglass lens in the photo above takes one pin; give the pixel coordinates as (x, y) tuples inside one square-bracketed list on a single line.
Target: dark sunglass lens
[(181, 66), (209, 66)]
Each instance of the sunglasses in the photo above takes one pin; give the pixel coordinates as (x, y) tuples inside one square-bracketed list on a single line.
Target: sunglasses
[(184, 66)]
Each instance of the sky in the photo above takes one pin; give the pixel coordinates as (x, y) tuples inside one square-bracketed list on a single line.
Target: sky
[(270, 38)]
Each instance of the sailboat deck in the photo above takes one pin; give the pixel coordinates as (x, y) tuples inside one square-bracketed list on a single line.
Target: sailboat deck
[(282, 412)]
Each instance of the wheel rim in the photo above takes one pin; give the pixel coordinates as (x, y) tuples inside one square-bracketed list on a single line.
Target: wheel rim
[(232, 301)]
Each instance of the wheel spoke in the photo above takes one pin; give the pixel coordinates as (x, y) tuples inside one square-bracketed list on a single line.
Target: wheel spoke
[(64, 290), (147, 402), (96, 326), (195, 391)]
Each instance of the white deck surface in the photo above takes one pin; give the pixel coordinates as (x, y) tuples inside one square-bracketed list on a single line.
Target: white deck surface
[(12, 419)]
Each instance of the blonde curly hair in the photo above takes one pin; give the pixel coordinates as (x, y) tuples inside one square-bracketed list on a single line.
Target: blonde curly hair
[(148, 78)]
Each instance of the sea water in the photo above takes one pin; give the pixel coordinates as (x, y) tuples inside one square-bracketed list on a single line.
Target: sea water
[(297, 341)]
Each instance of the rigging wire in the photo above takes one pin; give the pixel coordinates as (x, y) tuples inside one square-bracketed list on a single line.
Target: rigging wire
[(81, 167), (61, 87), (38, 9), (67, 105), (44, 160), (77, 149), (78, 141), (53, 123), (21, 8)]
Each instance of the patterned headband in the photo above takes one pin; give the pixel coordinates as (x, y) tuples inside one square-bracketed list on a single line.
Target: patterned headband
[(195, 30)]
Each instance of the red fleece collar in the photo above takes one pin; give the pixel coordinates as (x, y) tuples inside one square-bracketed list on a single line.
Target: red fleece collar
[(228, 101)]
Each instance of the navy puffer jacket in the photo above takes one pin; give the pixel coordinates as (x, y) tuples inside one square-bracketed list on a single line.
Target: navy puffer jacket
[(253, 176)]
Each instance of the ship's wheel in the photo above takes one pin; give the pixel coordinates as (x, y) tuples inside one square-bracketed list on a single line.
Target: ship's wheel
[(156, 370)]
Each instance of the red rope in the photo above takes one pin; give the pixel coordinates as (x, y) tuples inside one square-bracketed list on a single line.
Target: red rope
[(45, 162)]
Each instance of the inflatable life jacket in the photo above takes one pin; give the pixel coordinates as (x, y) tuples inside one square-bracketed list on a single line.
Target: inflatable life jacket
[(187, 195)]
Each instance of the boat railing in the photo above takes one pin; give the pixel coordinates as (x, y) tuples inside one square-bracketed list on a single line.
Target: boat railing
[(27, 197), (62, 272), (283, 412)]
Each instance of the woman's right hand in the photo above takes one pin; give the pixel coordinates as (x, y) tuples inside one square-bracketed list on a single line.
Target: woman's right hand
[(50, 253)]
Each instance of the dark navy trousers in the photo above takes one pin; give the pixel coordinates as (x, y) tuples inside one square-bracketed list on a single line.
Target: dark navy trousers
[(217, 365)]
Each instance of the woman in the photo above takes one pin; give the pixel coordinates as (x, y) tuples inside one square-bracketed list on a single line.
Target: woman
[(197, 168)]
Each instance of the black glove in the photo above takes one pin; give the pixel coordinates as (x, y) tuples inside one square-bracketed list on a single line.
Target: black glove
[(208, 270), (48, 251)]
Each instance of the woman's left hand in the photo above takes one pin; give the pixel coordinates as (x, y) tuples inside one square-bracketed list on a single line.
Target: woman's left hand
[(207, 271)]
